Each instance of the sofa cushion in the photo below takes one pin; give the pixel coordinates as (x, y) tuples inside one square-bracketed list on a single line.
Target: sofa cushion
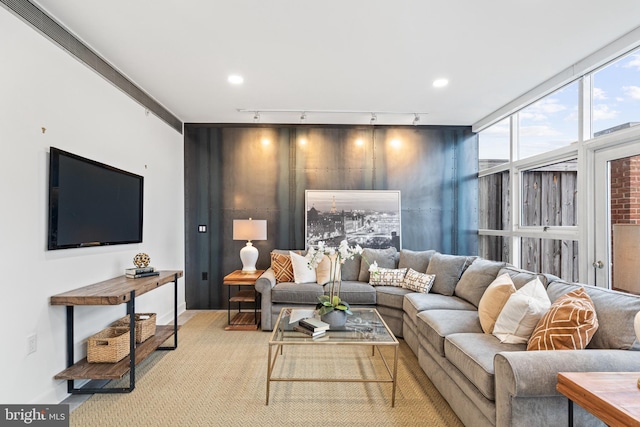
[(418, 260), (351, 268), (615, 311), (448, 270), (521, 277), (390, 296), (418, 282), (388, 277), (521, 313), (302, 273), (473, 355), (292, 293), (385, 258), (476, 278), (416, 302), (568, 325), (355, 292), (435, 325), (493, 300)]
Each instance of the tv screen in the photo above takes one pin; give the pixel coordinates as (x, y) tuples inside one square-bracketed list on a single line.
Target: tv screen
[(92, 204)]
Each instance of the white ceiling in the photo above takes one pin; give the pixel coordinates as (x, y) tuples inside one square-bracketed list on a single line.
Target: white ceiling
[(349, 55)]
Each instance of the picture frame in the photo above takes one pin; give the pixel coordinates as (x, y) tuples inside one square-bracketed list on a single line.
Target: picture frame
[(369, 218)]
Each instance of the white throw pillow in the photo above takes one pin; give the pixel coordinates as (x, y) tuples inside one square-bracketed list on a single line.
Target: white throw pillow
[(301, 271), (521, 313)]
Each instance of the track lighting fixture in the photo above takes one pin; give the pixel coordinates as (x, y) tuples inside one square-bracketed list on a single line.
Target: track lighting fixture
[(358, 115)]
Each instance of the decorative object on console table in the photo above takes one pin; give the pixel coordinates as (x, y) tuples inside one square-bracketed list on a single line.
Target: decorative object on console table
[(249, 229), (139, 275), (139, 270), (243, 321), (110, 345), (145, 325), (141, 260)]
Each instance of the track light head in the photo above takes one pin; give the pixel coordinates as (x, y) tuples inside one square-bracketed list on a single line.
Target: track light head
[(373, 118), (256, 117), (416, 119)]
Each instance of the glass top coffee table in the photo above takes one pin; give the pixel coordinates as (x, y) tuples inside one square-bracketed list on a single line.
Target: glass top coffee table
[(364, 327)]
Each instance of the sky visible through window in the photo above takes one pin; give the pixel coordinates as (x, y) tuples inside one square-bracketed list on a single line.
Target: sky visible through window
[(616, 94), (552, 122)]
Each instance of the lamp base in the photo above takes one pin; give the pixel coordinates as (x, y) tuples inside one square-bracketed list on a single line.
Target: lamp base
[(249, 256)]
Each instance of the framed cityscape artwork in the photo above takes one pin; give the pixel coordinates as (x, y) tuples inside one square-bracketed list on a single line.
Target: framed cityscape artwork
[(369, 218)]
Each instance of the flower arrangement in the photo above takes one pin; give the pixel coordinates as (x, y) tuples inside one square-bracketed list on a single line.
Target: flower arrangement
[(337, 257)]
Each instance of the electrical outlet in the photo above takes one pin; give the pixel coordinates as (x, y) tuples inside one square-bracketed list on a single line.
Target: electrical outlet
[(32, 343)]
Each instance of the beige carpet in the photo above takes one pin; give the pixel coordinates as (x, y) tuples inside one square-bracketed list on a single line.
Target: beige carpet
[(218, 378)]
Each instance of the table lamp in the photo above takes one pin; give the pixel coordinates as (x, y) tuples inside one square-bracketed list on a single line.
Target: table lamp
[(249, 229)]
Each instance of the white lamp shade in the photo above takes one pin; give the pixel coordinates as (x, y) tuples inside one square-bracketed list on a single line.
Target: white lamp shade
[(249, 229)]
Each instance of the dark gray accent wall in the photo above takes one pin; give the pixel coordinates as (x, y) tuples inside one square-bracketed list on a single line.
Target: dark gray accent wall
[(262, 172)]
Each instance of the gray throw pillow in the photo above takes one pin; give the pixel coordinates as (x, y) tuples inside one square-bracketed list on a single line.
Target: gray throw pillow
[(416, 260), (386, 258), (476, 279), (448, 270), (351, 269)]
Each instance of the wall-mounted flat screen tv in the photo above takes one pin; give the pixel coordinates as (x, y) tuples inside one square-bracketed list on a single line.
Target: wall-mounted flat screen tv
[(92, 204)]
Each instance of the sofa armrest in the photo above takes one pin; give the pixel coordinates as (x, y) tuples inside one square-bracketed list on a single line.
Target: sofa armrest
[(266, 281), (526, 383), (264, 284), (535, 373)]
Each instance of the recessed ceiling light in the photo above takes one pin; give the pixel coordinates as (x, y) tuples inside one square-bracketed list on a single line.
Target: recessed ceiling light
[(235, 79), (440, 82)]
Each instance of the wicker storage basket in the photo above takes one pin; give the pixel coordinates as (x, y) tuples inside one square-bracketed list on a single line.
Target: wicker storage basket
[(108, 346), (145, 325)]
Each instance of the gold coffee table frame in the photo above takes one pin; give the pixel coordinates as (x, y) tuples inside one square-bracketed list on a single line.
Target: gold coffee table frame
[(364, 328)]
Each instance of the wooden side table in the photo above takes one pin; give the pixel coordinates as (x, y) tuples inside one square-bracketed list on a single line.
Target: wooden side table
[(242, 321), (613, 397)]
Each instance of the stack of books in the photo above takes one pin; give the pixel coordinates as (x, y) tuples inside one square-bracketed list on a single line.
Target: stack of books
[(312, 327), (135, 273)]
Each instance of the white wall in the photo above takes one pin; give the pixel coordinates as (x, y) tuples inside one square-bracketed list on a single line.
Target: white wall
[(42, 86)]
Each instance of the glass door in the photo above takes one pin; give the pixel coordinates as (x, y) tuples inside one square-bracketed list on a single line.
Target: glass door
[(617, 218)]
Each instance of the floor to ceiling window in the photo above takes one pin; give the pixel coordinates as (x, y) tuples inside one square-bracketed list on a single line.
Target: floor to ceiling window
[(534, 163)]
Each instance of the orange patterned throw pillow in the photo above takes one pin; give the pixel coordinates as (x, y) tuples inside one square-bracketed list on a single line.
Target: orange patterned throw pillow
[(282, 267), (568, 325)]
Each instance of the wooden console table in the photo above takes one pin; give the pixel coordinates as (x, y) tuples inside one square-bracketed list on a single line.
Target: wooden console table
[(119, 290), (613, 397)]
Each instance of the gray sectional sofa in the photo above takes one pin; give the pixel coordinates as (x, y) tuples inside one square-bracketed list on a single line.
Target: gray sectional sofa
[(486, 382)]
